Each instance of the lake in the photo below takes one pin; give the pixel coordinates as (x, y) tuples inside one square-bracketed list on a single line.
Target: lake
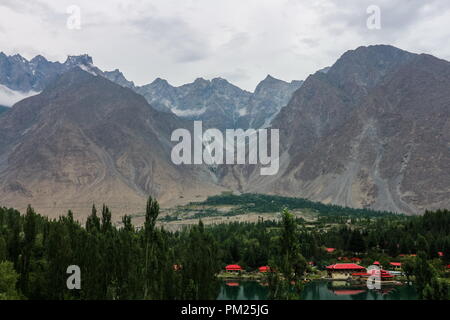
[(318, 290)]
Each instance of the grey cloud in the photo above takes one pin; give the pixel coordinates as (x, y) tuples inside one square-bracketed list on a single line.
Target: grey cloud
[(238, 40), (397, 16), (35, 8), (175, 37)]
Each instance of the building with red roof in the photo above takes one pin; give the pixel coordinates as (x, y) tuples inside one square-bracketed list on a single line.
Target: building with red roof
[(385, 275), (233, 268), (264, 269), (330, 250), (382, 275), (396, 265), (343, 270), (345, 266)]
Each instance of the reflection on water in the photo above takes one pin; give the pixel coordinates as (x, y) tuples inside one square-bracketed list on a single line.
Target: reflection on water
[(341, 290), (247, 290), (319, 290)]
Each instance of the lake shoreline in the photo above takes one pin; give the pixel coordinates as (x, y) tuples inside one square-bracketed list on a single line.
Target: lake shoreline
[(318, 289)]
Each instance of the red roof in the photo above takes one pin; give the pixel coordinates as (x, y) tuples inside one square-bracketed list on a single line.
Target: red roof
[(440, 253), (330, 250), (385, 274), (395, 264), (382, 273), (356, 259), (345, 266), (360, 274), (377, 263), (233, 267), (264, 269), (448, 266)]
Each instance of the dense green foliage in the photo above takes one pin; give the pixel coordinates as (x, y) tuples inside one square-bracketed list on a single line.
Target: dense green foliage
[(268, 203), (123, 263), (151, 263), (289, 263), (8, 280), (252, 245)]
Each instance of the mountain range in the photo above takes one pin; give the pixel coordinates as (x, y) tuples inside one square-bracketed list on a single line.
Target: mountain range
[(218, 103), (221, 104), (372, 131)]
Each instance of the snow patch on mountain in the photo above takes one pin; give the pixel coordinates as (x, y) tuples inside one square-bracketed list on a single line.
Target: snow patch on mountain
[(243, 112), (189, 112), (87, 69)]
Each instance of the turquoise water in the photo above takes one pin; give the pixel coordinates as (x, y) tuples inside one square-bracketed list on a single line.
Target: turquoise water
[(318, 290)]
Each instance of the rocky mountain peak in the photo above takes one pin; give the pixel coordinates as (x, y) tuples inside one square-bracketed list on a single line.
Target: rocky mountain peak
[(160, 82), (201, 82), (220, 81), (364, 67), (83, 59), (18, 58), (268, 82), (270, 78), (117, 76), (38, 59)]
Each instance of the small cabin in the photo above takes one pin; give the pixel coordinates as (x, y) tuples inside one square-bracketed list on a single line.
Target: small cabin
[(343, 270), (264, 269), (233, 268), (356, 260), (396, 266)]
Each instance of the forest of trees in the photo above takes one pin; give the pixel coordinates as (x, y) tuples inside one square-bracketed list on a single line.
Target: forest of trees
[(251, 202), (151, 263), (123, 263)]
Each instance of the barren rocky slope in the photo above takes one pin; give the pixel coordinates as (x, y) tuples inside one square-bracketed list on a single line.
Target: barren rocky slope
[(372, 132), (85, 139)]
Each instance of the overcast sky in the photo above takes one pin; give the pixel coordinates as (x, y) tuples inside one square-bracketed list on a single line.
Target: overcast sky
[(240, 40)]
